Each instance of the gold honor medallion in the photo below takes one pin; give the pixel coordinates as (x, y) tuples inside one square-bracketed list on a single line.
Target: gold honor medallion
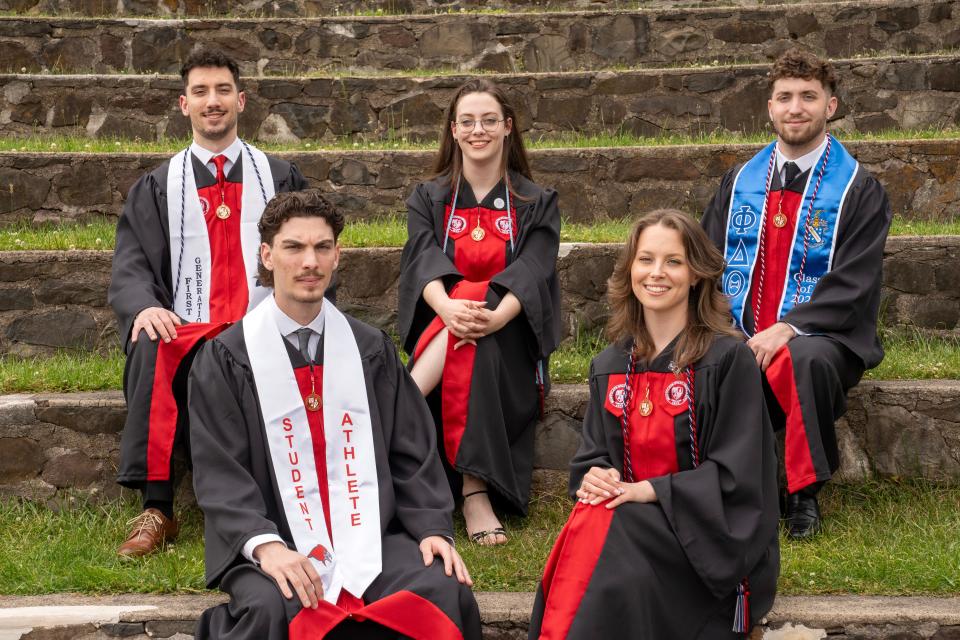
[(314, 402), (779, 220), (646, 407), (223, 212), (478, 233)]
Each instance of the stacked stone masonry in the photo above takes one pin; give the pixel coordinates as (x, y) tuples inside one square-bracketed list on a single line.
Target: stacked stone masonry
[(506, 616), (314, 8), (68, 444), (922, 179), (532, 42), (54, 300), (876, 94)]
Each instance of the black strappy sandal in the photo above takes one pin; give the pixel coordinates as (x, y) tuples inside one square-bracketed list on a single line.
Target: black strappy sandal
[(478, 537)]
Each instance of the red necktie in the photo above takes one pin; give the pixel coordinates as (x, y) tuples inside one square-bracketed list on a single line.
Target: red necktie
[(220, 161)]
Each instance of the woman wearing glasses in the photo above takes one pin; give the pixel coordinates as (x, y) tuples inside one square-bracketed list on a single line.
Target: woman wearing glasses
[(479, 303)]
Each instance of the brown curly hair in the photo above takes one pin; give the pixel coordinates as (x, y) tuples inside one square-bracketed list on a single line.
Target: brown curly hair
[(294, 204), (797, 63), (709, 312)]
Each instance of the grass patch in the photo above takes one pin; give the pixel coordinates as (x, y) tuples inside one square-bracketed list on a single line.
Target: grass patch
[(63, 372), (74, 549), (883, 538), (910, 356), (395, 140), (880, 538), (389, 231)]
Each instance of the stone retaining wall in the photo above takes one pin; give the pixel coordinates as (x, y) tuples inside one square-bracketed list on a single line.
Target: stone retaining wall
[(876, 94), (315, 8), (506, 43), (57, 299), (506, 616), (922, 179), (54, 443)]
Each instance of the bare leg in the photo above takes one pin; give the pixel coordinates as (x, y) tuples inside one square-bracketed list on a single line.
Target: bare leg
[(428, 368), (478, 512)]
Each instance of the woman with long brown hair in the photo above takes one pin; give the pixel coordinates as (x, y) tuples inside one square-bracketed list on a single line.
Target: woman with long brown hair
[(479, 303), (674, 534)]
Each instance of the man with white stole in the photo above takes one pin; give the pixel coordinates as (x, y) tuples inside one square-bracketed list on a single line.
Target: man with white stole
[(802, 226), (185, 264), (326, 508)]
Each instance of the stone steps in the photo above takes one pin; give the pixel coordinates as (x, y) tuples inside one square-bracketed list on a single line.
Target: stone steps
[(505, 616), (319, 8), (903, 92), (533, 42), (69, 443), (922, 179), (51, 300)]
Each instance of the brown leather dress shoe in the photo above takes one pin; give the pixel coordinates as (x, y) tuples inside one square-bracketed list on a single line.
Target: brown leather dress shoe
[(149, 531)]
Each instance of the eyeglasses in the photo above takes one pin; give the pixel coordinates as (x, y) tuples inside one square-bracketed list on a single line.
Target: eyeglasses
[(488, 124)]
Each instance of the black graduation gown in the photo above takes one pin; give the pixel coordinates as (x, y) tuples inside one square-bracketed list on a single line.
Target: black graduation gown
[(806, 388), (846, 301), (670, 569), (501, 407), (237, 492), (141, 278)]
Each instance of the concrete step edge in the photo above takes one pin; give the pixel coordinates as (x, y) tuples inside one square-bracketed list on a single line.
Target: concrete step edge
[(829, 611)]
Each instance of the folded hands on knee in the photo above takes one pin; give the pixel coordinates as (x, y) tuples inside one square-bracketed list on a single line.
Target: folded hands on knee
[(604, 485)]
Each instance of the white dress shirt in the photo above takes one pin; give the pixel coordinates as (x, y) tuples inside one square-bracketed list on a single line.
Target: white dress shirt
[(206, 156), (804, 162)]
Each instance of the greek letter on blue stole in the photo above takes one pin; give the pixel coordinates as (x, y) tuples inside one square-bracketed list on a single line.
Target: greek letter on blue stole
[(746, 214)]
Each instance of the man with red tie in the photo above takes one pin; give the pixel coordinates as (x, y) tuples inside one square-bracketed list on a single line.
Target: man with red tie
[(184, 266), (802, 226)]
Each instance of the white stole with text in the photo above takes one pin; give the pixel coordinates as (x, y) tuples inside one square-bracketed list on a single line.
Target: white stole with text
[(188, 231), (354, 559)]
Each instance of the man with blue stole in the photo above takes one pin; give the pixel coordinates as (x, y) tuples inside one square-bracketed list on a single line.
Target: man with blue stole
[(803, 226)]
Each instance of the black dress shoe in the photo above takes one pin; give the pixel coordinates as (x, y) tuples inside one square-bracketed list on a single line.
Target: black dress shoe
[(803, 516)]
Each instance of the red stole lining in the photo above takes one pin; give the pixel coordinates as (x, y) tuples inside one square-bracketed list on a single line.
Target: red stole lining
[(653, 438), (228, 290), (478, 261), (778, 247)]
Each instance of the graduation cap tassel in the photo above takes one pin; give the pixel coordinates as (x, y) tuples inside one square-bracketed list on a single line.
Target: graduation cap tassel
[(741, 614)]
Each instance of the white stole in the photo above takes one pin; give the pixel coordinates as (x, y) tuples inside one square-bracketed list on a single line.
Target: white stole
[(191, 271), (356, 559)]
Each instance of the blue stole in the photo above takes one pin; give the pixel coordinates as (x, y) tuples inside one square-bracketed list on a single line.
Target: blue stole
[(746, 217)]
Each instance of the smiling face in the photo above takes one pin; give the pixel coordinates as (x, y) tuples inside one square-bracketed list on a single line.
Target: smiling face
[(213, 103), (660, 274), (302, 257), (799, 110), (478, 145)]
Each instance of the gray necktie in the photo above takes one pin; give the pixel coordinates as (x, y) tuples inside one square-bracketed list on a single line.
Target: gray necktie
[(303, 338), (790, 172)]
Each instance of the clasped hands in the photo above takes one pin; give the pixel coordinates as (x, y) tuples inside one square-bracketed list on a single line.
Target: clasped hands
[(601, 484), (295, 574), (470, 320)]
